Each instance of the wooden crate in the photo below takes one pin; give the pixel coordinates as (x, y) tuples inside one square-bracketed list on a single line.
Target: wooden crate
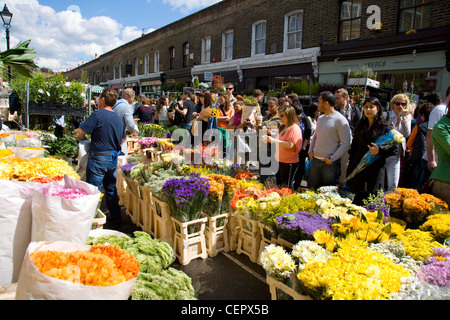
[(267, 236), (132, 199), (149, 155), (162, 225), (249, 238), (99, 221), (132, 145), (121, 186), (145, 220), (284, 243), (231, 232), (189, 245), (215, 234), (275, 285)]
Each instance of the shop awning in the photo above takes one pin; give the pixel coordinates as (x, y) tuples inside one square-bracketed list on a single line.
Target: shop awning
[(96, 89)]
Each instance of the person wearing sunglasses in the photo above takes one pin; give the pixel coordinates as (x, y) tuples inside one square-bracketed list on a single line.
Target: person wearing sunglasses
[(400, 119)]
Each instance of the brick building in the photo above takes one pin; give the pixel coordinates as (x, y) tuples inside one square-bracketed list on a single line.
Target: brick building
[(263, 44)]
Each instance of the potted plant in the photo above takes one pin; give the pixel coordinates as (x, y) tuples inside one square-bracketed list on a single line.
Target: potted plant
[(362, 77)]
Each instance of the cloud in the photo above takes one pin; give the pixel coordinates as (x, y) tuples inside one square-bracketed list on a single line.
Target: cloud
[(189, 6), (64, 39)]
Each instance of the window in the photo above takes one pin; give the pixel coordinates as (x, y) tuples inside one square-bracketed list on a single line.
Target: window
[(114, 72), (206, 50), (136, 66), (156, 61), (186, 54), (227, 45), (414, 14), (350, 20), (259, 38), (171, 58), (293, 25), (147, 64), (120, 70)]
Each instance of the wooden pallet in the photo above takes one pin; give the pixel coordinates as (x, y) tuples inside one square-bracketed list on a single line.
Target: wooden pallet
[(275, 286), (189, 245)]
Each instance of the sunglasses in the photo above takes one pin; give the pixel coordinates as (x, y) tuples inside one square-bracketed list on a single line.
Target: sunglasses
[(230, 88), (403, 104)]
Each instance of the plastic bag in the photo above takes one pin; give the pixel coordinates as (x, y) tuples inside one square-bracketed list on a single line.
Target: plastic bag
[(55, 218), (15, 226), (34, 285), (83, 155)]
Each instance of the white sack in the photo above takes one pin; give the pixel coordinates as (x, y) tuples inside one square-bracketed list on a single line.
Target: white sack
[(55, 218), (34, 285), (15, 226), (83, 154)]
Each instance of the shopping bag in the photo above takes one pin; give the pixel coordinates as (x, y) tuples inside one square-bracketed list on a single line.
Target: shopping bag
[(83, 155), (15, 226), (34, 285), (55, 218)]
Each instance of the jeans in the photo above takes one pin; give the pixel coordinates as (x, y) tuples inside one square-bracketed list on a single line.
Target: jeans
[(392, 172), (102, 171), (186, 125), (321, 174)]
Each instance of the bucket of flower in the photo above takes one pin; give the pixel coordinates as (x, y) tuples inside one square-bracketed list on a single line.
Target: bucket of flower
[(185, 196)]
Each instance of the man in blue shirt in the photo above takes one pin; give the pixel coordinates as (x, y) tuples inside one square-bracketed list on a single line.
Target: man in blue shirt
[(107, 134)]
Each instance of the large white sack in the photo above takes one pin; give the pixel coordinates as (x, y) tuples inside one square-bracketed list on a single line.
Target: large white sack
[(15, 226), (34, 285), (55, 218)]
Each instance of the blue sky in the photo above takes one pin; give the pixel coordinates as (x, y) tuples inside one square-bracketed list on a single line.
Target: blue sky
[(66, 33)]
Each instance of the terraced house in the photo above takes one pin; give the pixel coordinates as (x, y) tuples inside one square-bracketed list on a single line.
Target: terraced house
[(264, 44)]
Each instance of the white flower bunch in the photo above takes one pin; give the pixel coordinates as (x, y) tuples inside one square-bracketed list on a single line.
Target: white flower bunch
[(396, 252), (222, 163), (306, 251), (414, 289), (277, 262)]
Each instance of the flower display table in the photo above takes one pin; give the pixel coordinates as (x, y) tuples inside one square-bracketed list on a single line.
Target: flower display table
[(132, 199)]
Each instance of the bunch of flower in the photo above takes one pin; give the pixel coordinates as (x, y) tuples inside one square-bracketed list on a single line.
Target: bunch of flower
[(306, 251), (229, 189), (213, 203), (378, 202), (5, 135), (66, 193), (214, 113), (243, 175), (186, 196), (101, 266), (29, 169), (157, 179), (396, 252), (301, 225), (277, 262), (438, 225), (436, 270), (331, 205), (352, 273), (418, 244), (46, 179), (151, 130), (126, 168), (165, 144), (148, 142), (414, 289)]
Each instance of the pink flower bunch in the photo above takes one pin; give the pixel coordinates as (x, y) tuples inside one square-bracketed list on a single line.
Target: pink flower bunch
[(67, 193)]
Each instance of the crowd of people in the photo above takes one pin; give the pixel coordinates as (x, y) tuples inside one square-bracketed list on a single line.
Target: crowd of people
[(321, 144)]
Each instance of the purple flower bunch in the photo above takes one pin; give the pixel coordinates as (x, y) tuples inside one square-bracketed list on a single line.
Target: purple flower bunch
[(378, 202), (436, 270), (186, 196), (126, 168), (302, 225)]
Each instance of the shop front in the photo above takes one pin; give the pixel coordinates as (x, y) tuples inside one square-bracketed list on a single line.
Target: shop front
[(418, 73)]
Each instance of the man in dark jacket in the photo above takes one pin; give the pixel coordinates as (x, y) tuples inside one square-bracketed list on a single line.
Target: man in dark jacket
[(353, 115)]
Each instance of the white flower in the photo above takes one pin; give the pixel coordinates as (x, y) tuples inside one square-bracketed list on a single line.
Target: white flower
[(277, 262), (41, 91), (307, 251), (398, 137)]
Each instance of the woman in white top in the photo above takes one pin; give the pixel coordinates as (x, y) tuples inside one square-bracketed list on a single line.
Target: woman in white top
[(161, 113), (400, 119)]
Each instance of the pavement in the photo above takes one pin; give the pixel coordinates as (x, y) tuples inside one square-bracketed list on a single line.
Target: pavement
[(227, 276)]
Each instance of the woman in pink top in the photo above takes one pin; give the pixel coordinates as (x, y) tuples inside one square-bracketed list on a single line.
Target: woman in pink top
[(288, 144)]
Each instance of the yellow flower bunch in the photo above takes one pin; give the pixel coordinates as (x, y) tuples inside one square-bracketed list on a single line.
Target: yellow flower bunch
[(418, 244), (229, 183), (29, 169), (214, 113), (249, 183), (353, 273), (101, 266), (22, 136), (438, 225), (166, 143)]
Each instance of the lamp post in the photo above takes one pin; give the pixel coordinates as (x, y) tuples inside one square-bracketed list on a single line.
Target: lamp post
[(6, 17)]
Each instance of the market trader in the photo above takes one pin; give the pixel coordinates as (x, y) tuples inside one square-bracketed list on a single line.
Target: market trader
[(107, 134)]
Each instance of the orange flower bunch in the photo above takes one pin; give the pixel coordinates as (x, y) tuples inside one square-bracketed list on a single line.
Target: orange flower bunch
[(243, 175), (281, 191), (103, 265), (215, 190), (434, 202), (229, 183), (46, 179), (4, 135)]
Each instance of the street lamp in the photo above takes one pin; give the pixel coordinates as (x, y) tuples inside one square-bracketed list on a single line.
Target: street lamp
[(6, 17)]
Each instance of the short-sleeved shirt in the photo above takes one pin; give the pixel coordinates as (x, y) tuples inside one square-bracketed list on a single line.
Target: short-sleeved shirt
[(292, 134), (190, 106), (435, 115), (106, 129)]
